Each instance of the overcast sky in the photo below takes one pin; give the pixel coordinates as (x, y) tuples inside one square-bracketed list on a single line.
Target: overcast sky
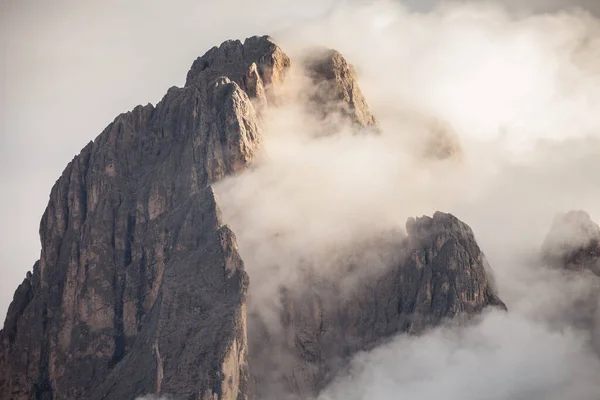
[(69, 67)]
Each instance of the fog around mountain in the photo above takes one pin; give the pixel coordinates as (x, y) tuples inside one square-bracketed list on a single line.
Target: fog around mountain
[(513, 88)]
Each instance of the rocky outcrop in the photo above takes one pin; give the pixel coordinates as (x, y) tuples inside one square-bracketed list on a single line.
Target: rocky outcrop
[(572, 247), (573, 242), (140, 287), (436, 273), (335, 90), (440, 142), (257, 66)]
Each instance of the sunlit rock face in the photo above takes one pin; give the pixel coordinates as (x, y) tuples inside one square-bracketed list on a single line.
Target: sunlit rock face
[(140, 287)]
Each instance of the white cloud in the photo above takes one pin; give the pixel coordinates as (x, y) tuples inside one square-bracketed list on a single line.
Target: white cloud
[(503, 357)]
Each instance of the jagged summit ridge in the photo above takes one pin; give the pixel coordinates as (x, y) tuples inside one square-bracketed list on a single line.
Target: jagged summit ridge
[(140, 287), (257, 65), (129, 229)]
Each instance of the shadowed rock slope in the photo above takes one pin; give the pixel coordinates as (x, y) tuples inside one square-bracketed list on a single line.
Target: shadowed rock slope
[(140, 288), (436, 273)]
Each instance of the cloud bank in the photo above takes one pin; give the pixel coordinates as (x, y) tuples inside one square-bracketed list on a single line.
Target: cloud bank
[(504, 357)]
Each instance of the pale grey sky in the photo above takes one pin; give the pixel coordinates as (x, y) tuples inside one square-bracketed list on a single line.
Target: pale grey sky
[(69, 67)]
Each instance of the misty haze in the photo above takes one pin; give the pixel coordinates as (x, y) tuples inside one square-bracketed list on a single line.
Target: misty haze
[(326, 200)]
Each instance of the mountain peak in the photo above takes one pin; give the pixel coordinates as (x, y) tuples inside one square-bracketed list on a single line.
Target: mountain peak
[(336, 88), (573, 242), (140, 287), (255, 65)]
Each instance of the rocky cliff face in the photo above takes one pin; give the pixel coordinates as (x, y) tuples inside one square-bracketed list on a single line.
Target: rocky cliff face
[(140, 287), (573, 242), (335, 89), (436, 273)]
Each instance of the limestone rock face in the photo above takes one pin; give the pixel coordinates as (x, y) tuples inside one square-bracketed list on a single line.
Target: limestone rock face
[(437, 273), (139, 287)]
